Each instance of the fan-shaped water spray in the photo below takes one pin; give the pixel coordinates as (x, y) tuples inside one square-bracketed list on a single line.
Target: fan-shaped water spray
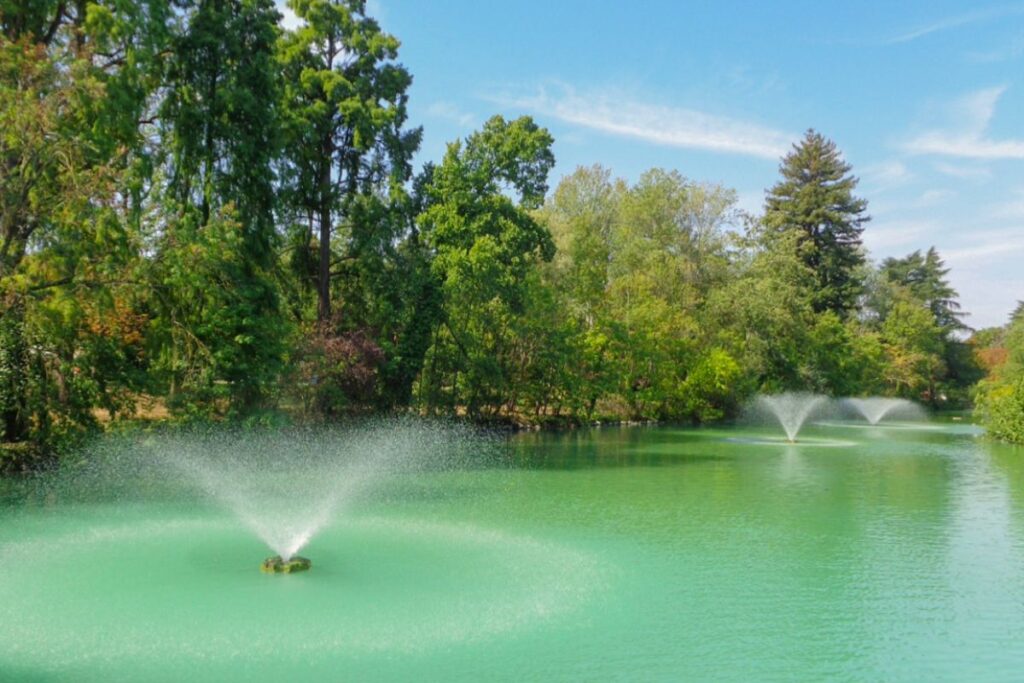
[(874, 409), (285, 486), (791, 410)]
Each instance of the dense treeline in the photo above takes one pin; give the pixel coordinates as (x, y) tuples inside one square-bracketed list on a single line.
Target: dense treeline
[(204, 213)]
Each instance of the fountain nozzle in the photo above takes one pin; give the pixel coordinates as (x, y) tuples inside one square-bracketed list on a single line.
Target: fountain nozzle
[(278, 565)]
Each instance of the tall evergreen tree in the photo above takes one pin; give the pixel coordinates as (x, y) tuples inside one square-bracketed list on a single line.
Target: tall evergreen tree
[(1018, 312), (815, 200)]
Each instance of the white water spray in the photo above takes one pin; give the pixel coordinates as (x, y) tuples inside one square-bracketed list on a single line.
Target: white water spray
[(285, 487), (791, 409), (874, 409)]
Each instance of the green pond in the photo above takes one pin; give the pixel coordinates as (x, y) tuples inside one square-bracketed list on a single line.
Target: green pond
[(650, 553)]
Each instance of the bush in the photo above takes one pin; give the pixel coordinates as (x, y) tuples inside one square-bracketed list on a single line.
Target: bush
[(710, 390), (1003, 408)]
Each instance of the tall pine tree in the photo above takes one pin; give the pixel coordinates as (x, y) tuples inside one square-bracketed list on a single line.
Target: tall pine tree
[(815, 200)]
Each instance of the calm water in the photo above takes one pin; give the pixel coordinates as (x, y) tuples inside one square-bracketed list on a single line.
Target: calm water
[(646, 553)]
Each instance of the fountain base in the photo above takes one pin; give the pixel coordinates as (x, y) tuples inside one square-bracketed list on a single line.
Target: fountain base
[(277, 565)]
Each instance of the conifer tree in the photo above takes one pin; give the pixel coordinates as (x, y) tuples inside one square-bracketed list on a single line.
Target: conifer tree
[(815, 200), (925, 277)]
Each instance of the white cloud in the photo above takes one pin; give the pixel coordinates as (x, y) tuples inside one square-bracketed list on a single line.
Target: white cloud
[(884, 238), (932, 197), (1000, 54), (973, 114), (964, 172), (886, 175), (615, 114), (988, 246), (1012, 209), (955, 22), (451, 112)]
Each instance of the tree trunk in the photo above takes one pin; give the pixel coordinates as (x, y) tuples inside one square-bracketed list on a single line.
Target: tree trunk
[(324, 272)]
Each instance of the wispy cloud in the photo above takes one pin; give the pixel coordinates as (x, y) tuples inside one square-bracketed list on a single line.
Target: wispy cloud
[(963, 172), (886, 175), (884, 238), (933, 197), (1012, 209), (451, 112), (973, 113), (955, 22), (614, 114), (990, 246), (1012, 50)]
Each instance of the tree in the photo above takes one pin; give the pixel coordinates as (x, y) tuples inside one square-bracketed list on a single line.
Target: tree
[(922, 278), (914, 345), (925, 278), (74, 82), (1001, 394), (345, 150), (815, 200), (485, 241), (218, 305), (583, 216)]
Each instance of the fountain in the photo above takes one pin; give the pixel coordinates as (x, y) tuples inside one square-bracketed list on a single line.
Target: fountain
[(566, 565), (876, 408), (791, 409), (138, 559), (286, 486)]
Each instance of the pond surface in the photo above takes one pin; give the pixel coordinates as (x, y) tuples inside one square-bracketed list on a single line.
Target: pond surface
[(892, 553)]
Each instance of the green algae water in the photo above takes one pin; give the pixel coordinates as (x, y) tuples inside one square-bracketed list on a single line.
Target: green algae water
[(893, 553)]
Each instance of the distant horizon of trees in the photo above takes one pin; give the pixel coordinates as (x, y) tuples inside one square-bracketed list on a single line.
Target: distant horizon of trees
[(203, 209)]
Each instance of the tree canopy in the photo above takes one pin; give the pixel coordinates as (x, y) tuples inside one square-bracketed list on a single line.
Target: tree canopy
[(205, 215)]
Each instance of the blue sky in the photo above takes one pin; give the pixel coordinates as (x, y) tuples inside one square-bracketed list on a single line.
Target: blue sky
[(925, 99)]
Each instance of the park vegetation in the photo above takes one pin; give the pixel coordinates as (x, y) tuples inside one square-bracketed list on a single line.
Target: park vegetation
[(204, 216), (1000, 396)]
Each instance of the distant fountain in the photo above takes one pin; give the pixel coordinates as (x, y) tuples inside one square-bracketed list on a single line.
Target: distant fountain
[(791, 409), (874, 409)]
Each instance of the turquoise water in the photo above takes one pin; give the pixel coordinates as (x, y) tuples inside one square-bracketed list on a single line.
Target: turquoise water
[(647, 553)]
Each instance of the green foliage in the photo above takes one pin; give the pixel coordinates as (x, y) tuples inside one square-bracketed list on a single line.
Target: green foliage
[(69, 122), (709, 391), (921, 280), (1003, 407), (485, 243), (924, 277), (1001, 395), (221, 330), (815, 199), (346, 156), (200, 207), (344, 174), (913, 344), (219, 345)]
